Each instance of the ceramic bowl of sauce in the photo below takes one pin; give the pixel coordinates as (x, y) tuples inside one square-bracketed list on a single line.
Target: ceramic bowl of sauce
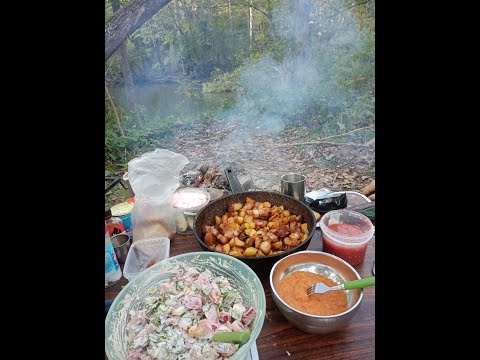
[(320, 313)]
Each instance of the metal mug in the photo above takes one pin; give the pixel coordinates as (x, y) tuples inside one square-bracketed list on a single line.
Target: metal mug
[(293, 185), (121, 244)]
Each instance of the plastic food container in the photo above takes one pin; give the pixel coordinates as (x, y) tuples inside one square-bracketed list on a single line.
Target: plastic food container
[(346, 234), (145, 253), (188, 201)]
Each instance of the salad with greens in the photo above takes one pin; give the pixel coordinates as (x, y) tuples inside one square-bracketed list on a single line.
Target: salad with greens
[(180, 317)]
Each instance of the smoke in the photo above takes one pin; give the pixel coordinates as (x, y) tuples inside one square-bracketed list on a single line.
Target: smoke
[(322, 37), (305, 72)]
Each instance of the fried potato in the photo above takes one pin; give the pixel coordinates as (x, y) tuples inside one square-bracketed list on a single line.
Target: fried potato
[(255, 229)]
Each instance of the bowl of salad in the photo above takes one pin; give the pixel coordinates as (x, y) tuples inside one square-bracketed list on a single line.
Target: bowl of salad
[(198, 305)]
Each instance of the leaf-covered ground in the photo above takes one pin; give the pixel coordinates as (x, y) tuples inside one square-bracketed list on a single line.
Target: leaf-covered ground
[(262, 156)]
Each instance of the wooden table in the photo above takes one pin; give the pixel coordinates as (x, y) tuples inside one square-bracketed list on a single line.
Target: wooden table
[(280, 340)]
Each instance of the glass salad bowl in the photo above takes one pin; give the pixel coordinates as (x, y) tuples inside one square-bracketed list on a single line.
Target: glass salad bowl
[(131, 297)]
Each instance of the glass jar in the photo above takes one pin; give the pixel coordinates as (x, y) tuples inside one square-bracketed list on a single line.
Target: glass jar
[(184, 221), (188, 202)]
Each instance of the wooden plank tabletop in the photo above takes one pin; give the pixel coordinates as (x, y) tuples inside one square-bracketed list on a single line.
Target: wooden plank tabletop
[(280, 340)]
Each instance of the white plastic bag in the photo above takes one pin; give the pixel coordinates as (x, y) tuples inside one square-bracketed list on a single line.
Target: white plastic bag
[(154, 177)]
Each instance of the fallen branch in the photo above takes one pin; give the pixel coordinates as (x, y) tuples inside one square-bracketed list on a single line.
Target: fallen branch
[(335, 178), (348, 8), (211, 139), (324, 142), (114, 110), (370, 142), (321, 141), (346, 144)]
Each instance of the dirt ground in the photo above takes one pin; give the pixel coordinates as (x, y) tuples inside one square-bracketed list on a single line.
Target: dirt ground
[(262, 157)]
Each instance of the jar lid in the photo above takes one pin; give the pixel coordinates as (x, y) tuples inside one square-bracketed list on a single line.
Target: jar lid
[(122, 208), (190, 199)]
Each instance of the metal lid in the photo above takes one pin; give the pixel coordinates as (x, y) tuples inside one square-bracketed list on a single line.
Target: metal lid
[(123, 208)]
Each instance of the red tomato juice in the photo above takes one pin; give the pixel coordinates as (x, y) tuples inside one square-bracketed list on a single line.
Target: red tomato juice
[(353, 254)]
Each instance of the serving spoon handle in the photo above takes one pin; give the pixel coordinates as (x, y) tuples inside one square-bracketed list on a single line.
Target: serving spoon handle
[(358, 284)]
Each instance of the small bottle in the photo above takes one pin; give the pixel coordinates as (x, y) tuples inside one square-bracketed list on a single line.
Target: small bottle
[(113, 273), (114, 224)]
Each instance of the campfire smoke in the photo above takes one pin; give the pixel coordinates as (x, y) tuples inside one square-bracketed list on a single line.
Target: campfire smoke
[(284, 88), (276, 89)]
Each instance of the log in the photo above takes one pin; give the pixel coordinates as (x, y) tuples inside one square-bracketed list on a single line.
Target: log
[(203, 169)]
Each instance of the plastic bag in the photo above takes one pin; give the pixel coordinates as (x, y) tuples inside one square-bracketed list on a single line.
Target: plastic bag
[(154, 177), (330, 203)]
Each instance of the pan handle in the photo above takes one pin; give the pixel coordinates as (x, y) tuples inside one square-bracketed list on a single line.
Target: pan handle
[(235, 185)]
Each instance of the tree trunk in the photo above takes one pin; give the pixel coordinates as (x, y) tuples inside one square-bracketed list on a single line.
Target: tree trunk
[(250, 26), (129, 86), (127, 74), (177, 14), (127, 20), (301, 26), (300, 16)]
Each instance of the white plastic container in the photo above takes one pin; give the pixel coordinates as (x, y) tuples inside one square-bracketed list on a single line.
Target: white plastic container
[(346, 234), (145, 253)]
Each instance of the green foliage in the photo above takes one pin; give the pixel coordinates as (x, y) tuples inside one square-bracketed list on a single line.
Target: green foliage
[(223, 82), (118, 149), (205, 45), (156, 132), (331, 86), (195, 38)]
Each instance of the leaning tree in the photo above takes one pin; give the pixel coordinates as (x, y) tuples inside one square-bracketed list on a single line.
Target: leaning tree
[(128, 19)]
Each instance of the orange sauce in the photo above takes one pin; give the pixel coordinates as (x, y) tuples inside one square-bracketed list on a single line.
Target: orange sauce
[(293, 290)]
